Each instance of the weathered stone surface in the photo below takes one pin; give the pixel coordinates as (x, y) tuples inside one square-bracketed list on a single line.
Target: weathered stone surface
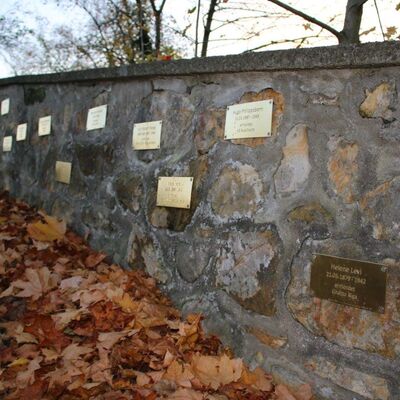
[(311, 218), (192, 258), (378, 102), (343, 170), (129, 190), (369, 386), (238, 191), (143, 253), (209, 130), (391, 132), (266, 338), (344, 325), (295, 167), (246, 269), (380, 208), (95, 158)]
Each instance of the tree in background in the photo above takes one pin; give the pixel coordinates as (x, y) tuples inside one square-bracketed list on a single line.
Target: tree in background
[(348, 35), (115, 32)]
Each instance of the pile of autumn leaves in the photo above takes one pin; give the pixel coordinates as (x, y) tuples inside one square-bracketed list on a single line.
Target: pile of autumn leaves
[(74, 327)]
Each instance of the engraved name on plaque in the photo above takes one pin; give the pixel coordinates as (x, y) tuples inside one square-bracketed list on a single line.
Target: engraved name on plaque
[(63, 172), (21, 132), (96, 118), (44, 126), (249, 120), (174, 191), (7, 143), (146, 135), (354, 283), (5, 106)]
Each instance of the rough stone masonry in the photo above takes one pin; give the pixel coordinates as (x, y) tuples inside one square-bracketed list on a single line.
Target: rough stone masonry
[(327, 181)]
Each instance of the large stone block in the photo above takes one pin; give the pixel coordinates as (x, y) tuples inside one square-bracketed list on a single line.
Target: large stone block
[(379, 102), (295, 167), (237, 192), (369, 386), (343, 170), (246, 268)]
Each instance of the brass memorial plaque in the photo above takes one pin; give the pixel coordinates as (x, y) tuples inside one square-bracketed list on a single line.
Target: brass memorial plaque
[(174, 191), (44, 126), (21, 132), (63, 172), (146, 135), (249, 120), (5, 106), (7, 143), (354, 283), (96, 118)]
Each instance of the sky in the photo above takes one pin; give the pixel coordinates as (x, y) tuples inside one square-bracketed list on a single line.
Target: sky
[(228, 39)]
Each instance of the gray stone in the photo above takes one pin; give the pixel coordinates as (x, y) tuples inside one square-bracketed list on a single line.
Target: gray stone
[(295, 167)]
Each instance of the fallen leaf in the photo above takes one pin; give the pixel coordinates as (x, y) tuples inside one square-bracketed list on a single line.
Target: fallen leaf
[(51, 229)]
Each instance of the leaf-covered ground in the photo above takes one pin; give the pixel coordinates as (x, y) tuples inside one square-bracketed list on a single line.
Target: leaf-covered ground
[(74, 327)]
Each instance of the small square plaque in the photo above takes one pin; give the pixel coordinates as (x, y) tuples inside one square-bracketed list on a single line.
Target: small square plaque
[(351, 282), (146, 135), (96, 118), (174, 191), (5, 106), (63, 172), (21, 132), (7, 143), (249, 120), (44, 126)]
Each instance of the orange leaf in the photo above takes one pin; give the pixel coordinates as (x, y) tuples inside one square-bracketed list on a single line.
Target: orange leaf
[(51, 229)]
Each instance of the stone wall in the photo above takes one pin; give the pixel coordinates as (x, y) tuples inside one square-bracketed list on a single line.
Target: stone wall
[(327, 181)]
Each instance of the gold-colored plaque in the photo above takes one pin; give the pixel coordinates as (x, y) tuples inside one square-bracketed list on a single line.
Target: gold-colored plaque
[(21, 132), (174, 191), (5, 106), (44, 126), (63, 172), (146, 135), (96, 118), (249, 120), (7, 143), (354, 283)]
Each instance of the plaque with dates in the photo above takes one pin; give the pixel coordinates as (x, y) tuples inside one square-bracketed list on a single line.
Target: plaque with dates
[(21, 132), (44, 126), (146, 135), (7, 143), (63, 172), (5, 106), (96, 118), (249, 120), (351, 282), (174, 191)]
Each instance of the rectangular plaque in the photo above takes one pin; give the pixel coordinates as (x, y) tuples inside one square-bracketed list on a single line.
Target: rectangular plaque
[(63, 172), (21, 132), (354, 283), (174, 191), (44, 126), (146, 135), (7, 143), (96, 118), (5, 106), (249, 120)]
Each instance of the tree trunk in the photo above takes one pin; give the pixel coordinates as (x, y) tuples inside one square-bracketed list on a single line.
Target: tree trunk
[(352, 22), (207, 28)]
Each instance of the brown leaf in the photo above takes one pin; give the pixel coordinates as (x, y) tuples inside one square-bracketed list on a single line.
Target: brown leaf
[(39, 281), (28, 376), (51, 229), (283, 393)]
